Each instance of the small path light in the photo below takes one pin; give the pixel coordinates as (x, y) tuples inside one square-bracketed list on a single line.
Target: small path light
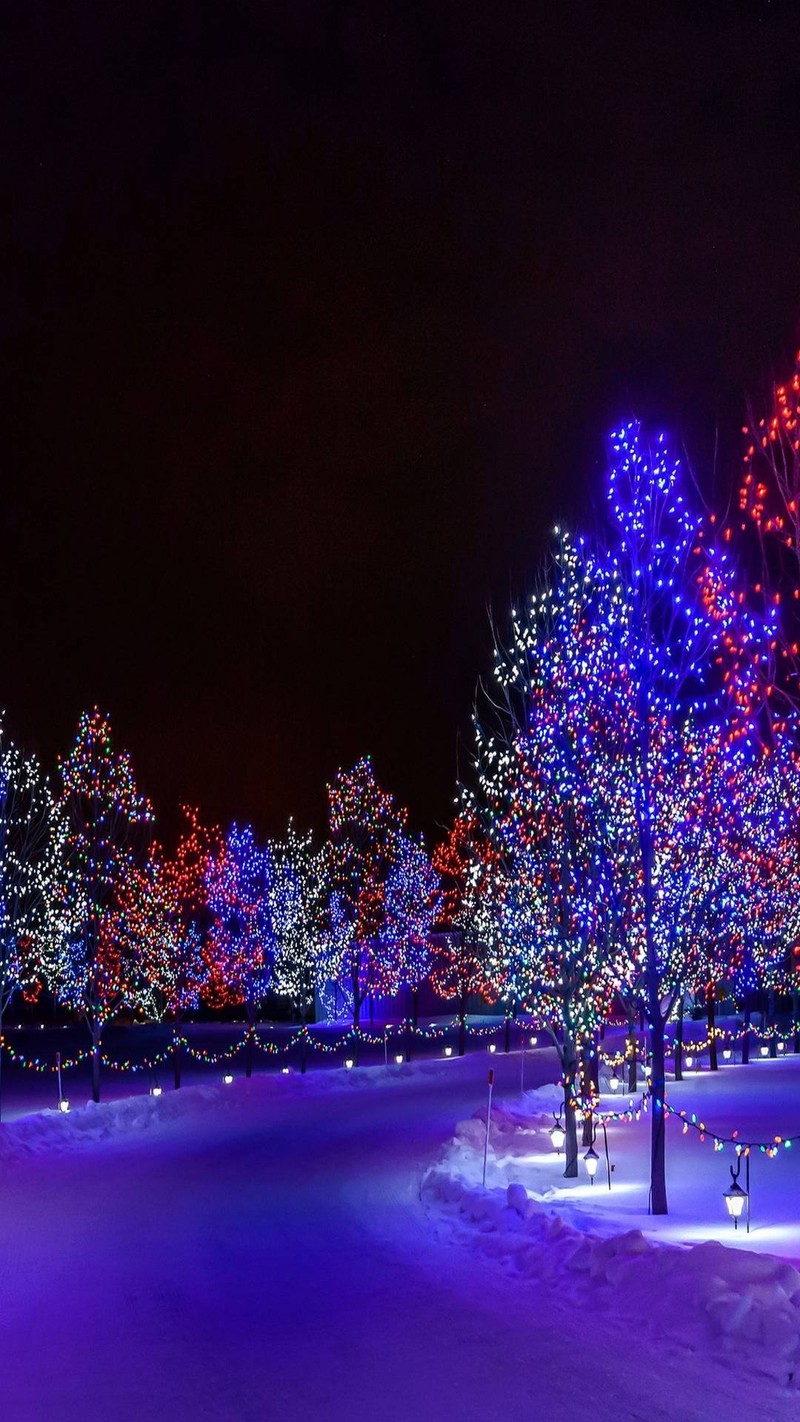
[(726, 1054), (614, 1083), (492, 1046), (399, 1059), (63, 1106), (448, 1051), (228, 1078), (764, 1051), (349, 1063)]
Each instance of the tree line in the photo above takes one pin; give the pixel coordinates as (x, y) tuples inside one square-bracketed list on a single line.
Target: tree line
[(628, 834)]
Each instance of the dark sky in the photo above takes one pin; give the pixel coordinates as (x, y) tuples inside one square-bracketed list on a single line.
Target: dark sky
[(315, 317)]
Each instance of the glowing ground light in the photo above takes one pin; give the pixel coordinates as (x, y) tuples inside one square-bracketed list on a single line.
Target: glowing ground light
[(349, 1063), (228, 1078), (63, 1106), (448, 1051), (399, 1059)]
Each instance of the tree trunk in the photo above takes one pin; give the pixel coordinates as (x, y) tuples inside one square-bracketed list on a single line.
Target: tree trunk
[(594, 1066), (507, 1047), (795, 1023), (586, 1096), (630, 1055), (95, 1068), (746, 1037), (658, 1173), (415, 1007), (2, 1049), (356, 1027), (176, 1051), (303, 1047), (570, 1125), (679, 1040), (249, 1047), (462, 1025), (772, 1021), (711, 1021)]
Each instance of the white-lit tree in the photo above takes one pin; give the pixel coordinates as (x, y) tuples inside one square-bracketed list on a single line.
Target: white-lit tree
[(32, 850), (108, 828)]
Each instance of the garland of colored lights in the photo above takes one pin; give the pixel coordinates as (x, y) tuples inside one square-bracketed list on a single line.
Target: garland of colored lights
[(769, 1148)]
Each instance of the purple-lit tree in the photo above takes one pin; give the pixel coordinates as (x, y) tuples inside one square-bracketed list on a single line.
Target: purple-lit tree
[(364, 851)]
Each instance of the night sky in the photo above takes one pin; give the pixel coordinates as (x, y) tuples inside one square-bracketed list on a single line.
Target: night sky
[(314, 318)]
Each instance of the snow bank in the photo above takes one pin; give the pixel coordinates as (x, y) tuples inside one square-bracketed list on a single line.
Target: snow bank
[(51, 1132), (702, 1296)]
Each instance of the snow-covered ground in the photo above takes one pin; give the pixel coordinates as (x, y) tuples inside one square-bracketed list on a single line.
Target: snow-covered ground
[(290, 1247)]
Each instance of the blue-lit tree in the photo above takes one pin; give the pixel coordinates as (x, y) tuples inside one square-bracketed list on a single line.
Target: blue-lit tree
[(241, 945), (412, 903), (633, 660)]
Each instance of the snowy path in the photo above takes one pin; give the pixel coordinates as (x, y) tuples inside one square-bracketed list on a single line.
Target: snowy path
[(260, 1252)]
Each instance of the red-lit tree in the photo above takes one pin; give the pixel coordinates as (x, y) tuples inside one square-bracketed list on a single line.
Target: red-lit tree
[(465, 862), (166, 913)]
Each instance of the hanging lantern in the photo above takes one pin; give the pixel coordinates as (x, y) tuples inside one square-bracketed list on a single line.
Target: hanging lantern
[(591, 1161), (557, 1134), (735, 1198)]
